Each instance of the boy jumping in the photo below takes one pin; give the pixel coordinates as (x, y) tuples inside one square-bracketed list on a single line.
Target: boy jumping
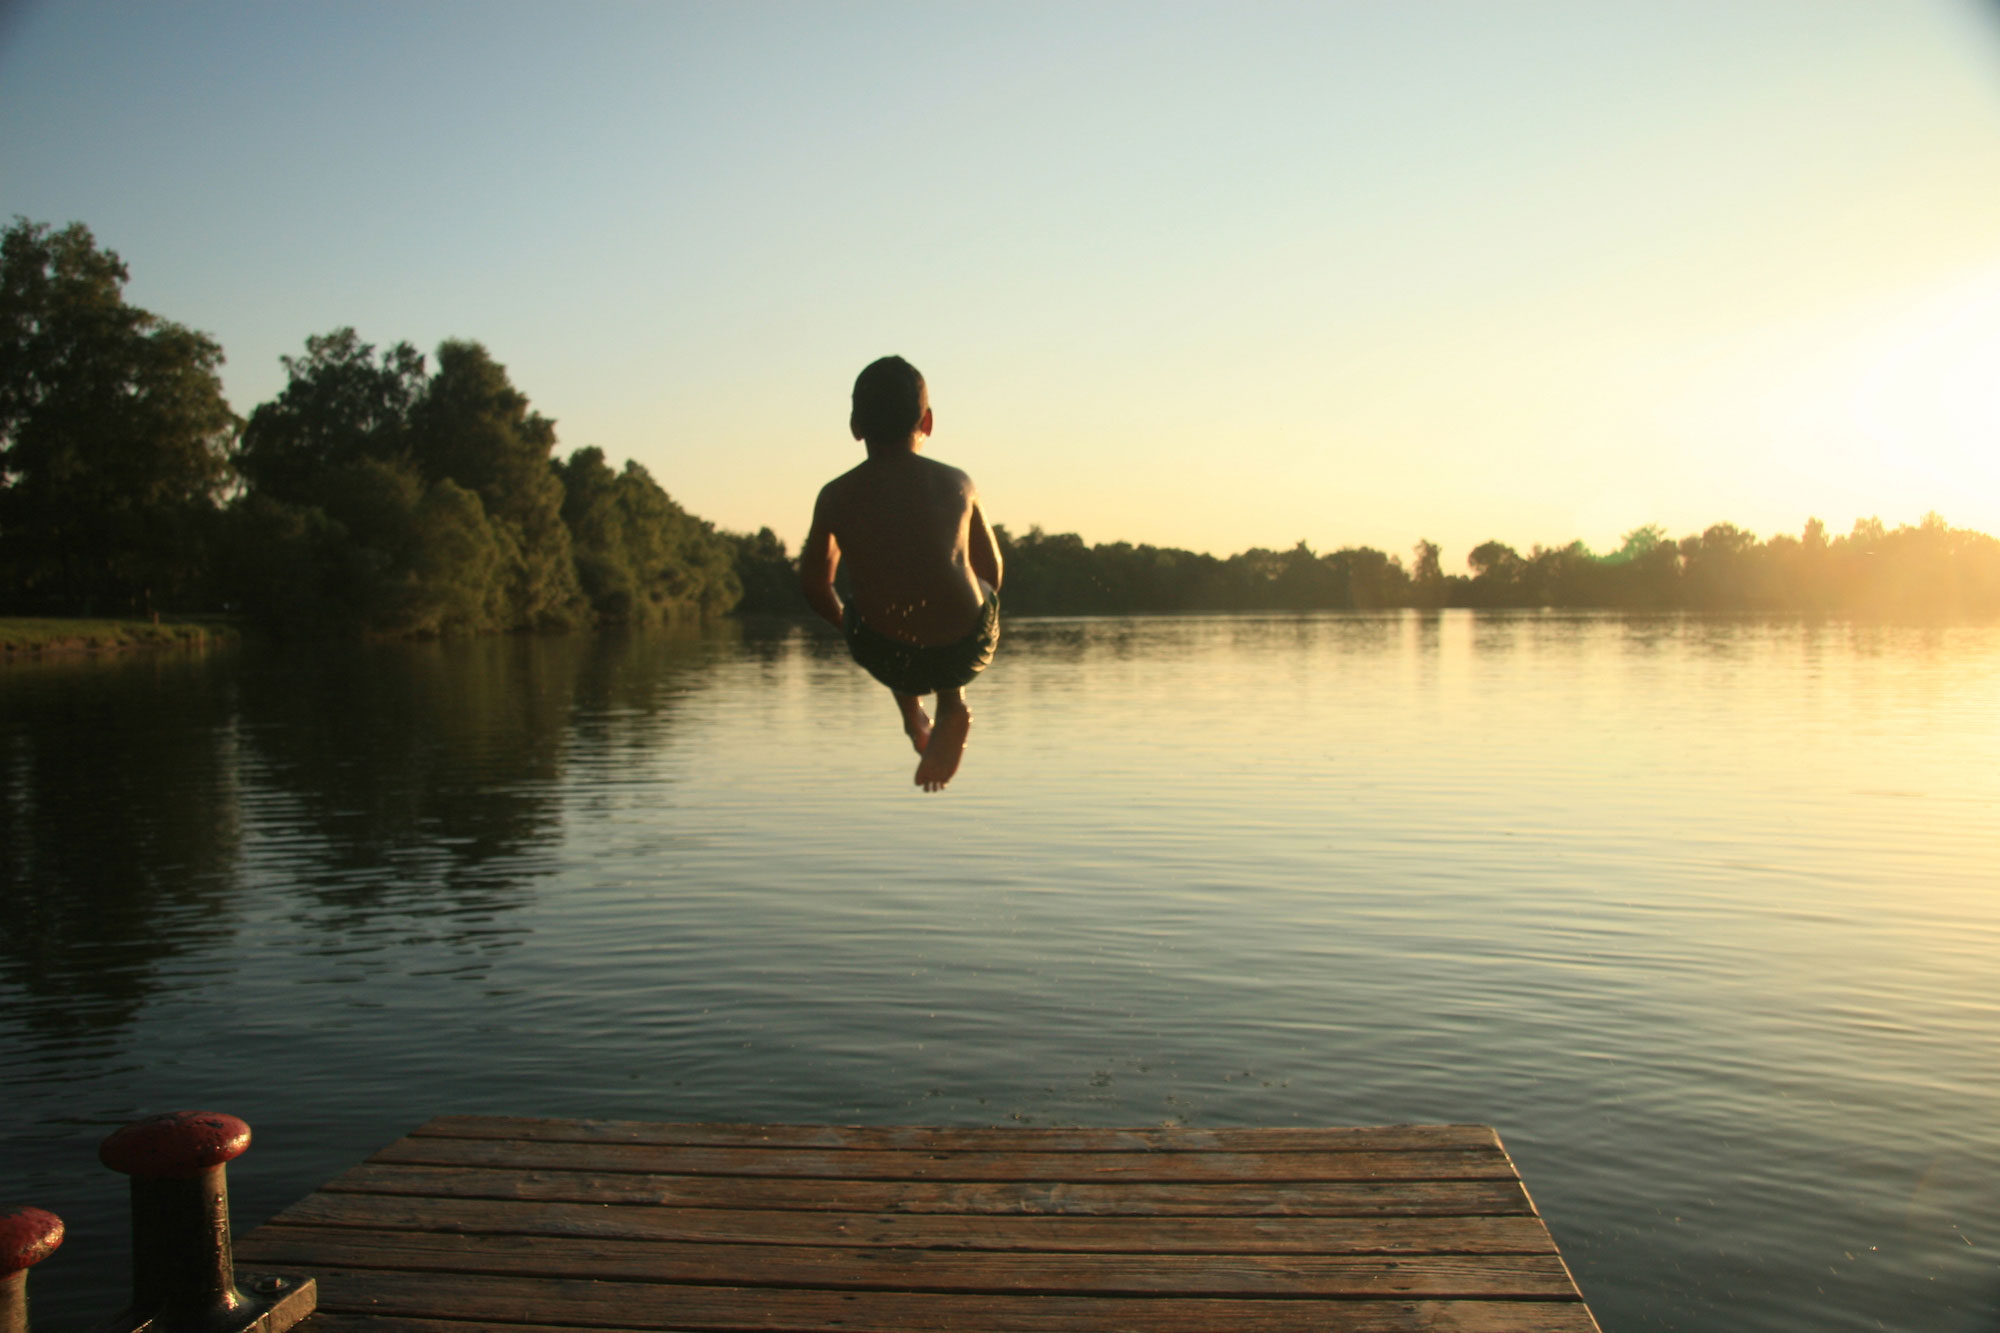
[(925, 614)]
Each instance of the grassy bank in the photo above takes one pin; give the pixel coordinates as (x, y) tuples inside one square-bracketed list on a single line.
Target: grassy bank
[(27, 635)]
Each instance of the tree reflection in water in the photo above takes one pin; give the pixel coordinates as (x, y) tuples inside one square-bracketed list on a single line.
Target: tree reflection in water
[(119, 833), (369, 798), (402, 789)]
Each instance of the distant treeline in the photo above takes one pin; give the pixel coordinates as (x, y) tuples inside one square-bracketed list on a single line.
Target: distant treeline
[(1929, 569), (375, 494), (379, 493)]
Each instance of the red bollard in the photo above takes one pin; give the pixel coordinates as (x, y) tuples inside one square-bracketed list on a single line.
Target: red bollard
[(27, 1236), (183, 1272)]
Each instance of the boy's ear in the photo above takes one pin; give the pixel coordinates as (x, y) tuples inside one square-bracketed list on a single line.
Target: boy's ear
[(924, 422), (854, 424)]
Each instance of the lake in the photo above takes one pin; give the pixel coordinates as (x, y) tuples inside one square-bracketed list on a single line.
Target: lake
[(1700, 913)]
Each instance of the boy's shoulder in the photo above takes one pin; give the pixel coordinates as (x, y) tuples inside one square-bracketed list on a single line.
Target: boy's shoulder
[(841, 494), (844, 485), (872, 474)]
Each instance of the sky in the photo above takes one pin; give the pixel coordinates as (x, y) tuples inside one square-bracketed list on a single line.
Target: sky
[(1356, 272)]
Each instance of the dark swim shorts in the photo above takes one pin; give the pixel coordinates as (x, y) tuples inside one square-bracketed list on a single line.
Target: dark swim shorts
[(914, 668)]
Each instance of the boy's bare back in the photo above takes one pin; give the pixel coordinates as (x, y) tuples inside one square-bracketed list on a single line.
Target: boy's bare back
[(907, 527)]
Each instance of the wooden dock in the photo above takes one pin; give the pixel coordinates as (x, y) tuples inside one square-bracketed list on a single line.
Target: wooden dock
[(534, 1226)]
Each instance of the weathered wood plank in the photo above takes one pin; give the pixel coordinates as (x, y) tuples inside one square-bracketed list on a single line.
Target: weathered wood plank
[(929, 1138), (1442, 1198), (1171, 1235), (867, 1163), (378, 1302), (1457, 1276)]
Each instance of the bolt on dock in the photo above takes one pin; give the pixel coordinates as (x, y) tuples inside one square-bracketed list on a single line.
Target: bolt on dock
[(546, 1225)]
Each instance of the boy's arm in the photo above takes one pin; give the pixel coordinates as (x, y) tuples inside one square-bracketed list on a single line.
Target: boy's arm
[(983, 551), (818, 559)]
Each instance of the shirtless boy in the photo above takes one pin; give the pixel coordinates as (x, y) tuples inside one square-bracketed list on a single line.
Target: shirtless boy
[(925, 570)]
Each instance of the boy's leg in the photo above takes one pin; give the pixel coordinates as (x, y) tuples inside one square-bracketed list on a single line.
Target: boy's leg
[(916, 722), (947, 741)]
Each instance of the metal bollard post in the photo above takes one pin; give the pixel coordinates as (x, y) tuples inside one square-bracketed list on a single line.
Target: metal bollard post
[(27, 1236), (183, 1272)]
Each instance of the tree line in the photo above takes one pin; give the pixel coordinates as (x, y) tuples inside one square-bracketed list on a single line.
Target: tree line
[(384, 492), (379, 492), (1929, 568)]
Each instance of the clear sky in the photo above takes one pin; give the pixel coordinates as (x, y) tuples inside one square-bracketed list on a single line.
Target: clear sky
[(1204, 275)]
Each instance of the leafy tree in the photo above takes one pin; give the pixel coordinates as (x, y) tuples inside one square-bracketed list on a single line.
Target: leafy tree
[(1493, 559), (383, 552), (114, 434), (1639, 543), (474, 428), (1307, 583), (456, 562), (1496, 575), (384, 500), (598, 534), (1645, 570), (768, 576), (1719, 568), (339, 404), (1374, 578), (640, 557), (1047, 575), (339, 530), (1427, 575)]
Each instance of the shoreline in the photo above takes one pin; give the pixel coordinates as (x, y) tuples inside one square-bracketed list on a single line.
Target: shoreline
[(36, 637)]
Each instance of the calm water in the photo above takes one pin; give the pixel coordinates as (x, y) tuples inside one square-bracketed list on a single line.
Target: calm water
[(1702, 914)]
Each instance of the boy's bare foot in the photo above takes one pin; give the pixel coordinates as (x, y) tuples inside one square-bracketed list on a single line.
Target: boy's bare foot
[(916, 722), (947, 742)]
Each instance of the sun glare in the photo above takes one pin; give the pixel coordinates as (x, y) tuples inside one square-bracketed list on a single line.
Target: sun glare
[(1888, 410), (1928, 394)]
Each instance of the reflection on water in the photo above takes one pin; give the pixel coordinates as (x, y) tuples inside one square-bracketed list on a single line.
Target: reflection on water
[(391, 793), (1699, 912), (119, 834), (402, 795)]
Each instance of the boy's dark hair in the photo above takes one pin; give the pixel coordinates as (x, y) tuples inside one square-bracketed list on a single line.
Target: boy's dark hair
[(889, 401)]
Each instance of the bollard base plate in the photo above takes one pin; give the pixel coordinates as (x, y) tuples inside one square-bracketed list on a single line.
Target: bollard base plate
[(288, 1299), (272, 1303)]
